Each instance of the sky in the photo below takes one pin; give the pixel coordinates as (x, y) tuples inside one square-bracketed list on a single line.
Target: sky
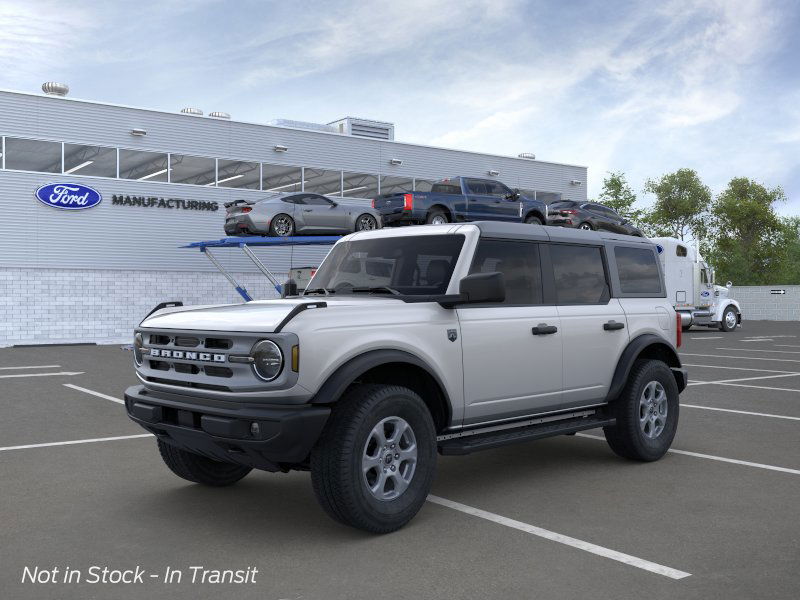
[(639, 87)]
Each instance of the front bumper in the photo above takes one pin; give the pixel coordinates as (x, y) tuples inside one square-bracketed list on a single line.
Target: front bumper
[(284, 436)]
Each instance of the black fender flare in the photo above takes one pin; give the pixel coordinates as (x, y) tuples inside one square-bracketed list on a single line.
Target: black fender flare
[(633, 350), (536, 213), (347, 373)]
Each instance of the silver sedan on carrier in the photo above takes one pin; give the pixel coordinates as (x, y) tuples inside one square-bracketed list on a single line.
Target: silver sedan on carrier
[(296, 213)]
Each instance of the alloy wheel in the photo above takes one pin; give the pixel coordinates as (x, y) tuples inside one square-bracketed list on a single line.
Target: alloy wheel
[(653, 409), (389, 459)]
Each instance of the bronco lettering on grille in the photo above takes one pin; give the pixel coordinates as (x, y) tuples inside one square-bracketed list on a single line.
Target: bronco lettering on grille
[(200, 356)]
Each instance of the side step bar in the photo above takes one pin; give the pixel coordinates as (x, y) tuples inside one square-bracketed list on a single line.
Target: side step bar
[(485, 441)]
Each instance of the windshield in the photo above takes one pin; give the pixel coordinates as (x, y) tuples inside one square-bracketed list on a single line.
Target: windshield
[(407, 265)]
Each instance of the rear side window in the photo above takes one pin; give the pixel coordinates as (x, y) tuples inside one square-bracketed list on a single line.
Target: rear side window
[(638, 271), (579, 274), (519, 264), (446, 186)]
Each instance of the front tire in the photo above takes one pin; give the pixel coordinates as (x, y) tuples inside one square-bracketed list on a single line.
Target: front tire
[(281, 226), (646, 413), (729, 320), (199, 469), (533, 220), (374, 463)]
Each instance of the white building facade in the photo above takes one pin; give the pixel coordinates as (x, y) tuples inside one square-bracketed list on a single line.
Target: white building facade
[(90, 275)]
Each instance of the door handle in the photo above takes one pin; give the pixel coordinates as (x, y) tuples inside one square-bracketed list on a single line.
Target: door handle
[(613, 326), (544, 329), (308, 210)]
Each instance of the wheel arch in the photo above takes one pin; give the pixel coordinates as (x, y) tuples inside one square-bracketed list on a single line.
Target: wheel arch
[(444, 208), (535, 212), (645, 346), (391, 367)]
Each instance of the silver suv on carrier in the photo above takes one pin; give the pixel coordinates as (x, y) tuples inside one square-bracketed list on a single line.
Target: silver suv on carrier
[(413, 341)]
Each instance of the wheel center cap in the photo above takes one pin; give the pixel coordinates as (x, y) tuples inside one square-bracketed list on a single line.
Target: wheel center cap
[(388, 458)]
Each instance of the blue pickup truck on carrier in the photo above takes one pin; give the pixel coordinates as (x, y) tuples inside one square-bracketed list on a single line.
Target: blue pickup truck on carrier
[(459, 199)]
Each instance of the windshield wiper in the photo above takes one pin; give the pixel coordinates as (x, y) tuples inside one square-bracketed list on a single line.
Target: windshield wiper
[(375, 290), (326, 291)]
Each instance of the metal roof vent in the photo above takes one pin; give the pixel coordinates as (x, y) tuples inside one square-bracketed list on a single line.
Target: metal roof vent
[(51, 88), (219, 115), (377, 130), (192, 111), (527, 155)]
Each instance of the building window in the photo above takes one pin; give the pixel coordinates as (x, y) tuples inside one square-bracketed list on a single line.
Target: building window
[(396, 185), (238, 174), (33, 155), (423, 185), (194, 170), (279, 178), (321, 181), (97, 161), (144, 166), (359, 185)]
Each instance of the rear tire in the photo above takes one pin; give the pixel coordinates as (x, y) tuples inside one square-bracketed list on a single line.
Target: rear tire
[(366, 222), (281, 226), (646, 413), (199, 469), (436, 216), (355, 459), (729, 320)]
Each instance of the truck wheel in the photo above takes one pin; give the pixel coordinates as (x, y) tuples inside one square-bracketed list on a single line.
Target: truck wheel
[(437, 216), (646, 413), (729, 320), (374, 463), (281, 226), (533, 220), (200, 469)]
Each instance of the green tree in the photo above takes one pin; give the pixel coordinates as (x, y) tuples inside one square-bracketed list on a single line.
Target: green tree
[(681, 205), (617, 194), (751, 243)]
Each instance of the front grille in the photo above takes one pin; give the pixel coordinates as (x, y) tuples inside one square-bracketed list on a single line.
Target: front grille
[(218, 343), (187, 342), (159, 340), (218, 371)]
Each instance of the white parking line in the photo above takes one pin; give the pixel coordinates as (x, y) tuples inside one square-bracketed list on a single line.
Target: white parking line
[(741, 357), (759, 340), (713, 337), (738, 368), (741, 412), (788, 345), (741, 379), (712, 457), (71, 442), (562, 539), (93, 393), (761, 387), (31, 367), (754, 350), (41, 374)]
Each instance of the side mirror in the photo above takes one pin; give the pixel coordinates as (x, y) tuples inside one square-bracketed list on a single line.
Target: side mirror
[(729, 285), (334, 204), (480, 288), (289, 288)]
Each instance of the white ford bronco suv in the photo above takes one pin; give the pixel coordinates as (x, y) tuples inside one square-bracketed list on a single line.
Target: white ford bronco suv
[(450, 338)]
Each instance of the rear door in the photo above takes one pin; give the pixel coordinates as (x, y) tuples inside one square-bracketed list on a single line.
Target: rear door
[(511, 351), (593, 324)]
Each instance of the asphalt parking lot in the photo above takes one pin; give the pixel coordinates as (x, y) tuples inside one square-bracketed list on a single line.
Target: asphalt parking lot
[(717, 517)]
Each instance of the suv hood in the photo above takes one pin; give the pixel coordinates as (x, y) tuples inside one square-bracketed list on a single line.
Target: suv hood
[(261, 316)]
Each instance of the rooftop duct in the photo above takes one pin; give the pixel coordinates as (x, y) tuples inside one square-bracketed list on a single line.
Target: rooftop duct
[(302, 125), (377, 130), (192, 111), (51, 88), (527, 155), (219, 115)]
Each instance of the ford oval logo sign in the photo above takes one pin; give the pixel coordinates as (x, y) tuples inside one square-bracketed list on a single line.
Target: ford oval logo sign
[(68, 196)]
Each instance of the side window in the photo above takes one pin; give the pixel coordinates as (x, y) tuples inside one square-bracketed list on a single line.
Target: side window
[(294, 199), (519, 264), (638, 271), (680, 250), (579, 274), (476, 186), (316, 200), (495, 188)]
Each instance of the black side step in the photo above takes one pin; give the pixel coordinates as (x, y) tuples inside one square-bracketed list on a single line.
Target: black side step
[(473, 443)]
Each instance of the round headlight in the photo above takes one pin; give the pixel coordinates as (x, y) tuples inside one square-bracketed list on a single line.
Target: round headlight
[(138, 342), (268, 360)]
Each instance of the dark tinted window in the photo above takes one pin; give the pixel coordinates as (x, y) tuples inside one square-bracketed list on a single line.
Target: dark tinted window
[(495, 188), (579, 274), (316, 200), (294, 199), (638, 271), (681, 250), (420, 264), (476, 186), (446, 187), (519, 264)]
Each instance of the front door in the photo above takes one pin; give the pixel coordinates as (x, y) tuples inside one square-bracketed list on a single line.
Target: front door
[(511, 351), (321, 214), (593, 324)]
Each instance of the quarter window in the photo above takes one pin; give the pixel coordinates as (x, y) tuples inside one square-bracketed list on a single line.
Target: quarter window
[(579, 274), (33, 155), (519, 264), (638, 271)]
